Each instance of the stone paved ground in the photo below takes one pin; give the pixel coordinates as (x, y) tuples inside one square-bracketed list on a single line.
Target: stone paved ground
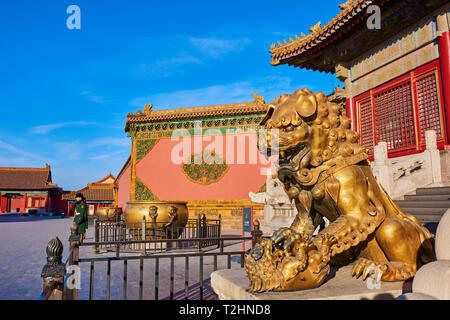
[(22, 256), (22, 252)]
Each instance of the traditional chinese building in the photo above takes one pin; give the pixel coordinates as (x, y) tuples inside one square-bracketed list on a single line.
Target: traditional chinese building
[(397, 77), (24, 189), (98, 194), (207, 156)]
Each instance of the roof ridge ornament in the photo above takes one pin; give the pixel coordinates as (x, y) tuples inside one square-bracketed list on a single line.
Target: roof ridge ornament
[(345, 5), (259, 100), (315, 28), (148, 108)]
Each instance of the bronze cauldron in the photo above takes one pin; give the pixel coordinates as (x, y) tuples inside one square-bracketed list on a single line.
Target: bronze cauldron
[(109, 213), (166, 216)]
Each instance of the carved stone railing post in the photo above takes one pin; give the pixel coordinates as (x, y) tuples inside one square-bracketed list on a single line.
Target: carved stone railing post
[(74, 239), (380, 167), (256, 233), (433, 154), (54, 271)]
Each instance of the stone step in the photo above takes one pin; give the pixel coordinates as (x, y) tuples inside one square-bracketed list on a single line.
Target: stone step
[(430, 197), (423, 204), (433, 191), (425, 211), (428, 218)]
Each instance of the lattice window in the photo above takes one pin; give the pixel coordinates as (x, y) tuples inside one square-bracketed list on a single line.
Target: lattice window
[(366, 125), (394, 117), (428, 104)]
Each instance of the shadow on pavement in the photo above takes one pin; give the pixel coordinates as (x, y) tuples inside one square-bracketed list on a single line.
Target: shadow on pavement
[(19, 218)]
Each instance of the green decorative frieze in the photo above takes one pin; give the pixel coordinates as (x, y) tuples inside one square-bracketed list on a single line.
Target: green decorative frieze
[(263, 188), (143, 192), (143, 147), (187, 127), (205, 167)]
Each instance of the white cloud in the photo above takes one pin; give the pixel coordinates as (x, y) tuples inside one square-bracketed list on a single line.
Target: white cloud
[(44, 129), (93, 97), (177, 60), (15, 150), (69, 150), (241, 91), (106, 155), (167, 67), (14, 162), (116, 142), (215, 47)]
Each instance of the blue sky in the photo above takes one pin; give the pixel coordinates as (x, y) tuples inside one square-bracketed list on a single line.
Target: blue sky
[(64, 94)]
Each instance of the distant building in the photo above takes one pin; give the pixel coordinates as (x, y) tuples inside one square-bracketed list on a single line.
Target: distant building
[(210, 188), (98, 194), (24, 189)]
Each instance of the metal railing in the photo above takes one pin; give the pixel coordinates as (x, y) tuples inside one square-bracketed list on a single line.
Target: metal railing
[(107, 231), (158, 261), (56, 281)]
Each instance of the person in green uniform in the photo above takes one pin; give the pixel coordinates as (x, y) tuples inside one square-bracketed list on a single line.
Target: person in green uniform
[(81, 216)]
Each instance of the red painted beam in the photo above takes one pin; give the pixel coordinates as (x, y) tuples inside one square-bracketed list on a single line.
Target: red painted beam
[(444, 58)]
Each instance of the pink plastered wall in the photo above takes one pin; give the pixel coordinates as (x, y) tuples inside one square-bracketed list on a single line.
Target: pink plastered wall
[(160, 171), (124, 188)]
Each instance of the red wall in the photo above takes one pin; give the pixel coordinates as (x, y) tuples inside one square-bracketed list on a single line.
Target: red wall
[(17, 203), (53, 203), (57, 204), (3, 204), (124, 188)]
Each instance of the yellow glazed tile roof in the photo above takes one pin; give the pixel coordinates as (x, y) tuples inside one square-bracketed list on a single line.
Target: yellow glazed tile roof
[(352, 10)]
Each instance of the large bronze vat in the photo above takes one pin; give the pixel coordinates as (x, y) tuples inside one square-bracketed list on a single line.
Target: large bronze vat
[(167, 216), (108, 213)]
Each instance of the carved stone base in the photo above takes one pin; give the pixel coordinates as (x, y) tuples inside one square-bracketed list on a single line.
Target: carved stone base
[(232, 284), (278, 216)]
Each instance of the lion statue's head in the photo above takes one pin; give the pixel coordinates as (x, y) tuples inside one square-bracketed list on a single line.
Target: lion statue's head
[(311, 130)]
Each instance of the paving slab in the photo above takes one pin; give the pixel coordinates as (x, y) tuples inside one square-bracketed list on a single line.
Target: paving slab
[(23, 241)]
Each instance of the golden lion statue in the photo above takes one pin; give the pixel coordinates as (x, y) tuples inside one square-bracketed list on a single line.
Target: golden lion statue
[(327, 173)]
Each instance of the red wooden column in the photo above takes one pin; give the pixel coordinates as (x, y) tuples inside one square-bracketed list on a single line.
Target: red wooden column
[(46, 203), (351, 112), (26, 202), (444, 54)]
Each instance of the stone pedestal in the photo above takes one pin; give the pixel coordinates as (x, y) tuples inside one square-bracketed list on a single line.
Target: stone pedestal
[(278, 210), (432, 281), (340, 285)]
